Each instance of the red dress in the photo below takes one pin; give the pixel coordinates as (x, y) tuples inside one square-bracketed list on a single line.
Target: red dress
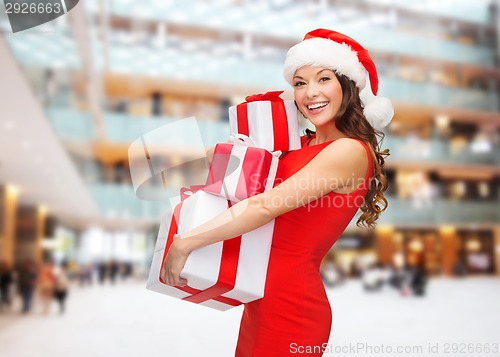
[(294, 311)]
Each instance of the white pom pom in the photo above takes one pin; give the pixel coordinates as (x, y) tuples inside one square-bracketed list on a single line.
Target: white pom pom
[(379, 112)]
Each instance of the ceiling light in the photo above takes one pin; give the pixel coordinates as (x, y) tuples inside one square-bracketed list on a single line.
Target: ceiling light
[(416, 245), (43, 209), (473, 245), (12, 190), (448, 230), (442, 121)]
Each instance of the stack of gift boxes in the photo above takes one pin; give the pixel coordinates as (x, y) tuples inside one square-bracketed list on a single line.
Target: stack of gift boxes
[(232, 272)]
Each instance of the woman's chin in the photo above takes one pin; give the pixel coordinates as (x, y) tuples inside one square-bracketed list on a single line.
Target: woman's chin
[(320, 122)]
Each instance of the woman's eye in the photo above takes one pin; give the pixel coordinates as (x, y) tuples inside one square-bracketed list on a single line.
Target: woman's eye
[(324, 79), (298, 84)]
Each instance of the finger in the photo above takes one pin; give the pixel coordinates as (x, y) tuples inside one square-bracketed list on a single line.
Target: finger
[(163, 274), (182, 282), (173, 279)]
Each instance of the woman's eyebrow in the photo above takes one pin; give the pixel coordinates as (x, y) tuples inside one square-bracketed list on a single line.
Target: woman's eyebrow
[(324, 69)]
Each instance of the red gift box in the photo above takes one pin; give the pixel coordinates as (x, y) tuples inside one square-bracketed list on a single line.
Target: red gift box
[(239, 171)]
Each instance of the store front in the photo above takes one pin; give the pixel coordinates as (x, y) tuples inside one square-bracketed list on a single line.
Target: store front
[(445, 250), (476, 252)]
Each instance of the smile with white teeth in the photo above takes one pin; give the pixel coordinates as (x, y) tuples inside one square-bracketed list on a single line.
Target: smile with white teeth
[(317, 105)]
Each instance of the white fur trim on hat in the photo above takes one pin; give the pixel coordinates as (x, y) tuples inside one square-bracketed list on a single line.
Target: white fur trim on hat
[(322, 52), (379, 112)]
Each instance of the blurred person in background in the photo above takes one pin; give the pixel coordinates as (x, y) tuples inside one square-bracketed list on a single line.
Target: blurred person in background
[(397, 277), (418, 280), (85, 274), (61, 286), (72, 269), (27, 280), (356, 269), (373, 277), (51, 87), (341, 159), (405, 289), (459, 269), (128, 270), (6, 280), (102, 272), (46, 282), (114, 269), (331, 274)]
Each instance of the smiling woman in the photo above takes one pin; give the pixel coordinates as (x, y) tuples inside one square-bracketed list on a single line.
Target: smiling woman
[(338, 170), (318, 95)]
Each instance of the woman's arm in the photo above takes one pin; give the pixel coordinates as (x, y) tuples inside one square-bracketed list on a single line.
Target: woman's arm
[(342, 163)]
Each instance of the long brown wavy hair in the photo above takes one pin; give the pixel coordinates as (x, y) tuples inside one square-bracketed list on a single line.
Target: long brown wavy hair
[(351, 121)]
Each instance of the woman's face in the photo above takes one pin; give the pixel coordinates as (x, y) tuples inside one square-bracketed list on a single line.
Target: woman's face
[(318, 94)]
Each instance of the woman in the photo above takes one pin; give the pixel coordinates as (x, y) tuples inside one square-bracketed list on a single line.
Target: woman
[(338, 170), (27, 279), (6, 280), (61, 286), (46, 282)]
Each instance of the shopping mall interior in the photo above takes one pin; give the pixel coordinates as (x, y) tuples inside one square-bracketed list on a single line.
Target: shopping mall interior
[(77, 91)]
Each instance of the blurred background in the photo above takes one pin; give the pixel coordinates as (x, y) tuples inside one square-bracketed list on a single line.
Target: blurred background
[(77, 91)]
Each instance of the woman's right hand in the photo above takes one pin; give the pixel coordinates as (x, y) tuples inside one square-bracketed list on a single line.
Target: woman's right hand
[(210, 154)]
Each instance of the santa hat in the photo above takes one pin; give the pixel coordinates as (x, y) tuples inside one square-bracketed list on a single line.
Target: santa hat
[(345, 56)]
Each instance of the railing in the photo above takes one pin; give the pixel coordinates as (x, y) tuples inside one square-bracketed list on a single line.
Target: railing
[(225, 65), (438, 95), (288, 23), (75, 125), (466, 10), (435, 150), (440, 211), (119, 201), (269, 76), (78, 125)]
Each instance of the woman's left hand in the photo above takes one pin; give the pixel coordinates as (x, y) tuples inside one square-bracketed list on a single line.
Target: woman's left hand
[(174, 262)]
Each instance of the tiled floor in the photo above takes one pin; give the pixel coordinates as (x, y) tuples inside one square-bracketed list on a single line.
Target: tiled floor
[(128, 320)]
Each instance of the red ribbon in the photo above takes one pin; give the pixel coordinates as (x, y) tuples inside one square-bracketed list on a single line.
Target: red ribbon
[(278, 112), (273, 95), (228, 268), (252, 178), (218, 168), (193, 189), (227, 272)]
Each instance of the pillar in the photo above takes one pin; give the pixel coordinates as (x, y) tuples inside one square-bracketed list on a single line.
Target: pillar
[(385, 244), (448, 238), (496, 247), (41, 216), (30, 231), (8, 209)]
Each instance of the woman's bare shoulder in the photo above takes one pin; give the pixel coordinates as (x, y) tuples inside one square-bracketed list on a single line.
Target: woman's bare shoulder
[(346, 149)]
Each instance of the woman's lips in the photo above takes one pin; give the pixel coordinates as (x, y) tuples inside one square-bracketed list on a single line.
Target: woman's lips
[(316, 107)]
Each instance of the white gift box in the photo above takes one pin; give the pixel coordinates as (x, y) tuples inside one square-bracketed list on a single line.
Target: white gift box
[(272, 123), (203, 266)]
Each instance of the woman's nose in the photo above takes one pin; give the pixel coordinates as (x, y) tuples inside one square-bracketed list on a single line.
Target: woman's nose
[(312, 90)]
